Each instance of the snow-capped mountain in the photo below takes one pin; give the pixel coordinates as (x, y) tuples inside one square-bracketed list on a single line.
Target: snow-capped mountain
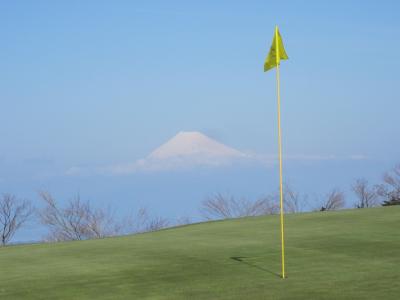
[(194, 144), (185, 150)]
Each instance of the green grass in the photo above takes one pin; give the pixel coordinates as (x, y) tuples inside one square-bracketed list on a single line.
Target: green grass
[(353, 254)]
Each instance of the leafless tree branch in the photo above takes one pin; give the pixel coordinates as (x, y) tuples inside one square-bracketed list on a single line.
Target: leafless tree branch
[(334, 200), (389, 190), (156, 223), (13, 214), (294, 202), (77, 221), (142, 221), (366, 196), (224, 207)]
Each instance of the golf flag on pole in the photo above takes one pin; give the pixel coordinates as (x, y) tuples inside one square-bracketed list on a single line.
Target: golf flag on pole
[(276, 53)]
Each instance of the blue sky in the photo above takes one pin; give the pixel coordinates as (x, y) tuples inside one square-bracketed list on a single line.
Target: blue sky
[(103, 82)]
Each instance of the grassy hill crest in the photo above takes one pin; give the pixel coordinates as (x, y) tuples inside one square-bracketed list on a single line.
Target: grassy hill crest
[(350, 254)]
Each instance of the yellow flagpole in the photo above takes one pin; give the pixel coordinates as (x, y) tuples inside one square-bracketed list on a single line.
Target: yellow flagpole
[(280, 152)]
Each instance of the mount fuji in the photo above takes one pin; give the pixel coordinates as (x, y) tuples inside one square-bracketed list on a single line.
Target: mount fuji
[(186, 150)]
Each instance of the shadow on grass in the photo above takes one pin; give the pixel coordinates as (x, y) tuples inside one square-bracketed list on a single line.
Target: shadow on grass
[(242, 259)]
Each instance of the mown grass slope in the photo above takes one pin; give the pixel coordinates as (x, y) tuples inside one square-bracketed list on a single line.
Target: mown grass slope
[(352, 254)]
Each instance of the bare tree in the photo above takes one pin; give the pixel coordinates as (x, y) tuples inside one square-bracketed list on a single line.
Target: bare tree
[(77, 221), (142, 221), (294, 202), (218, 206), (334, 200), (366, 196), (136, 223), (156, 223), (225, 207), (13, 214), (390, 189)]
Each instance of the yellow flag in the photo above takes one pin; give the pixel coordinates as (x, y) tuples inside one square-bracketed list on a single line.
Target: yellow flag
[(276, 53)]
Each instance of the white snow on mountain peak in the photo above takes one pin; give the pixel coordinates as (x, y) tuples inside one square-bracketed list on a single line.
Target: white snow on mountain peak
[(193, 143), (186, 150)]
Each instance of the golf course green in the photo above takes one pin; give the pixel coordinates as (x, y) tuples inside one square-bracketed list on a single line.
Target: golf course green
[(349, 254)]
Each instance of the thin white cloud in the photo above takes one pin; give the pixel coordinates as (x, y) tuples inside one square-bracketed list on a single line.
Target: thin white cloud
[(358, 157), (174, 163), (271, 159), (188, 150), (75, 171), (149, 164)]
